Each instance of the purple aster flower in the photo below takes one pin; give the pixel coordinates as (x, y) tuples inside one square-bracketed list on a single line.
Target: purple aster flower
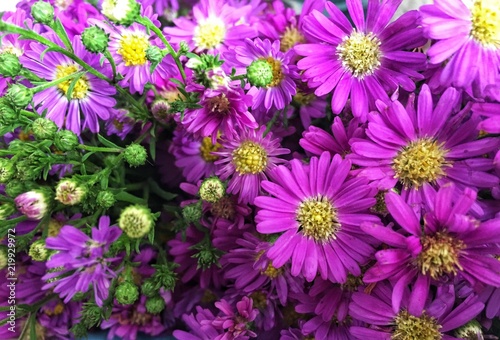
[(56, 319), (365, 62), (279, 90), (165, 8), (426, 320), (127, 320), (224, 111), (235, 324), (119, 123), (423, 147), (215, 27), (449, 243), (319, 208), (491, 112), (247, 159), (75, 15), (468, 40), (91, 98), (252, 270), (315, 140), (281, 23), (194, 155), (80, 261), (200, 326)]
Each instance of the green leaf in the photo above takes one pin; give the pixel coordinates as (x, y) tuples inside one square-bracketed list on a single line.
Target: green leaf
[(87, 155), (104, 182), (176, 81), (61, 32), (107, 143), (48, 49), (73, 84)]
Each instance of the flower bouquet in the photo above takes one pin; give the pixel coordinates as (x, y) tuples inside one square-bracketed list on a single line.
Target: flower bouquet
[(232, 169)]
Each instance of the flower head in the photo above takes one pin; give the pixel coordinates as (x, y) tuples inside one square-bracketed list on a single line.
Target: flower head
[(361, 63), (34, 204), (318, 208)]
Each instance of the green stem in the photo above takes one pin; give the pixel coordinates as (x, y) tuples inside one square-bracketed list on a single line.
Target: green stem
[(108, 56), (149, 24), (49, 84), (98, 148)]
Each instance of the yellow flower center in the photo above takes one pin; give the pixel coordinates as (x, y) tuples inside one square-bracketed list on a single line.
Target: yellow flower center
[(209, 33), (485, 18), (439, 255), (58, 309), (219, 104), (360, 53), (12, 50), (304, 99), (82, 84), (421, 161), (290, 38), (259, 300), (133, 48), (250, 158), (410, 327), (277, 71), (207, 148), (318, 219), (272, 272)]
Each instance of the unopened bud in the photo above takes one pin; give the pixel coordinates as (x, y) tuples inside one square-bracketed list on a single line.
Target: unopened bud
[(95, 39), (136, 221), (43, 128)]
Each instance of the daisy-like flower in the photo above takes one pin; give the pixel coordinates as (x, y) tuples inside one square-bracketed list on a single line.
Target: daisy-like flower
[(252, 270), (315, 140), (235, 324), (411, 320), (246, 160), (56, 318), (80, 261), (283, 24), (215, 26), (361, 63), (225, 111), (468, 40), (450, 242), (200, 326), (269, 70), (129, 47), (90, 99), (426, 146), (194, 155), (319, 209)]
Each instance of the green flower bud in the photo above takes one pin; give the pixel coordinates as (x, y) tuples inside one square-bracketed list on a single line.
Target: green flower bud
[(155, 305), (15, 187), (42, 12), (7, 170), (149, 288), (212, 190), (136, 221), (34, 204), (9, 65), (135, 155), (19, 95), (207, 255), (25, 170), (160, 110), (154, 54), (260, 73), (65, 140), (123, 12), (105, 199), (127, 293), (38, 251), (6, 210), (95, 39), (165, 276), (70, 192), (79, 296), (91, 315), (192, 213), (183, 48), (43, 128), (7, 113), (472, 330)]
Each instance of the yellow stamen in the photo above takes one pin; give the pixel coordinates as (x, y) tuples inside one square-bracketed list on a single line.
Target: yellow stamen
[(207, 148), (410, 327), (290, 38), (250, 158), (133, 48), (318, 219), (81, 88), (360, 53), (485, 18), (209, 33), (440, 254)]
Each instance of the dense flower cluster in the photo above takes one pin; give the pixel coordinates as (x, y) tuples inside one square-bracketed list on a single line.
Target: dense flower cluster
[(232, 169)]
